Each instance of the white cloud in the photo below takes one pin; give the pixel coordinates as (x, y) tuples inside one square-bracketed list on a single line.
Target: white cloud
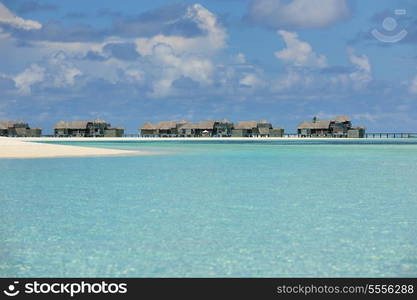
[(294, 80), (298, 13), (315, 80), (240, 58), (413, 86), (299, 53), (251, 80), (3, 35), (134, 75), (28, 77), (7, 17), (71, 48), (212, 41), (174, 57), (56, 71), (362, 62), (248, 80), (287, 81), (62, 72), (173, 67), (363, 73)]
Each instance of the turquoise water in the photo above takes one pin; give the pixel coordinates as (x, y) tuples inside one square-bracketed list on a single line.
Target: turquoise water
[(234, 209)]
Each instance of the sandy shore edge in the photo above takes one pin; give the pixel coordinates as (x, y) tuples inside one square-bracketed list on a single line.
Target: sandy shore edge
[(24, 148)]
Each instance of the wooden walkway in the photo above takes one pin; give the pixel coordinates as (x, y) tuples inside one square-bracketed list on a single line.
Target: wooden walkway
[(391, 135), (374, 135)]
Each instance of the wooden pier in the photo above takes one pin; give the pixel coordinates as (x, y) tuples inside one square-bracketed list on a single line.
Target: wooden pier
[(390, 135), (371, 135)]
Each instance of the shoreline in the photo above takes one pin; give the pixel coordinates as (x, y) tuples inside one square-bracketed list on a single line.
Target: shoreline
[(27, 148)]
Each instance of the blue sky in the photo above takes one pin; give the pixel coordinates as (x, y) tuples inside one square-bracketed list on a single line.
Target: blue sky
[(282, 60)]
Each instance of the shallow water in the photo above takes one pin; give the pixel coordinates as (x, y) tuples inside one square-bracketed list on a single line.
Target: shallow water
[(214, 209)]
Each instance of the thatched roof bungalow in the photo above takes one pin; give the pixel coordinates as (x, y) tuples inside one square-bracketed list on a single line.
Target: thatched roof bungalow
[(245, 129), (315, 128), (340, 126), (223, 128), (169, 128), (199, 129), (161, 129), (276, 132), (18, 128), (342, 119), (218, 128), (264, 128), (204, 128), (91, 128), (114, 132), (187, 129), (337, 127), (148, 130), (356, 132), (261, 128)]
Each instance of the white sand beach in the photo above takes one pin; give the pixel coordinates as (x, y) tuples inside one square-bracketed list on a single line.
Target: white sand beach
[(26, 148)]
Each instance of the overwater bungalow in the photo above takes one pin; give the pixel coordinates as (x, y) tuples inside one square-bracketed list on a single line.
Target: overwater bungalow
[(315, 128), (204, 128), (178, 129), (223, 128), (264, 128), (218, 128), (187, 129), (93, 128), (245, 129), (18, 128), (256, 129), (341, 126), (148, 130), (356, 132), (162, 129), (169, 128), (276, 132), (114, 132)]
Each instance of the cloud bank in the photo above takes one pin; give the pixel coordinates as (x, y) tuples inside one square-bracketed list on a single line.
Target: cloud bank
[(8, 18), (299, 53)]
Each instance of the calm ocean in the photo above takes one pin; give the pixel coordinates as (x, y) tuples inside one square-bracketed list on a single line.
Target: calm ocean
[(233, 209)]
